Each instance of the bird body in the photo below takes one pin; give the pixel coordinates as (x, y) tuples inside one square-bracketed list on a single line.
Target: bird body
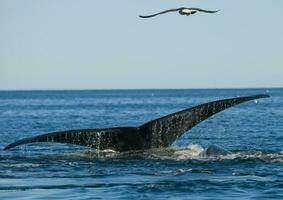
[(187, 11)]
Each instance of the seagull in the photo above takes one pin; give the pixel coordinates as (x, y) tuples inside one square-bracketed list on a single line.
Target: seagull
[(182, 11)]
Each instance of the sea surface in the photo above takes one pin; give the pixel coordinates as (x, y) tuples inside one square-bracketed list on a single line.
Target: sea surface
[(252, 131)]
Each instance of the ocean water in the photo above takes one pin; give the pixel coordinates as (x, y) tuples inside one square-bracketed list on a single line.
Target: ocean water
[(252, 131)]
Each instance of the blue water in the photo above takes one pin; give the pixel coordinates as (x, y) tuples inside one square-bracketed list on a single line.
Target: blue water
[(253, 131)]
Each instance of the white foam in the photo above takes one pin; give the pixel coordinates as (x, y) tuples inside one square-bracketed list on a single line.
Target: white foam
[(24, 165), (182, 171), (193, 151), (195, 148)]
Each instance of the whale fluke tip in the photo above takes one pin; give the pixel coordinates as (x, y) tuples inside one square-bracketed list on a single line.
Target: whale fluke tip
[(10, 146), (7, 147), (263, 96)]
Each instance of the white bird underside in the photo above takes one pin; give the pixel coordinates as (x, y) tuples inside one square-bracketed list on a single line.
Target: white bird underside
[(187, 11)]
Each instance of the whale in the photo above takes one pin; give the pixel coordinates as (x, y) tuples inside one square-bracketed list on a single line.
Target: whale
[(158, 133)]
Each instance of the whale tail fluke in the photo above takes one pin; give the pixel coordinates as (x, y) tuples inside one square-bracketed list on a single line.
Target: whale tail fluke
[(161, 132)]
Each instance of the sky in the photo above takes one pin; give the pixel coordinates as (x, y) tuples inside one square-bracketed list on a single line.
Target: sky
[(103, 44)]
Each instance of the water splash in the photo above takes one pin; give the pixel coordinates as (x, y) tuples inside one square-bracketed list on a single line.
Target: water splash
[(193, 151)]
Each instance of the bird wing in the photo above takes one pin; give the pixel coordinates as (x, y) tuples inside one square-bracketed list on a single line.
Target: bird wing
[(206, 11), (120, 138), (166, 130), (163, 12)]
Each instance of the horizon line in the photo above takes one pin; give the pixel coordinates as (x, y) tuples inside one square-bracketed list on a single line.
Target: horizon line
[(117, 89)]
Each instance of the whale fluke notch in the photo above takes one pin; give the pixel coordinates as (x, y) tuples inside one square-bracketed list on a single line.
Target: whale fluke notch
[(161, 132)]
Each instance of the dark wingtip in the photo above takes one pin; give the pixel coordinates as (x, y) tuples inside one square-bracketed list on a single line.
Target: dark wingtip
[(214, 11)]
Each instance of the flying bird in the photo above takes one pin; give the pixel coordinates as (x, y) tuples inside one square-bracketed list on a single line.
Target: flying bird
[(182, 11)]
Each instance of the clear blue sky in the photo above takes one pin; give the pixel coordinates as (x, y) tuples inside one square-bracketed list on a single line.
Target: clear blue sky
[(103, 44)]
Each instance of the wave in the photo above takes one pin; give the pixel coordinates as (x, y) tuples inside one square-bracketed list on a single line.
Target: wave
[(193, 152), (202, 185)]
